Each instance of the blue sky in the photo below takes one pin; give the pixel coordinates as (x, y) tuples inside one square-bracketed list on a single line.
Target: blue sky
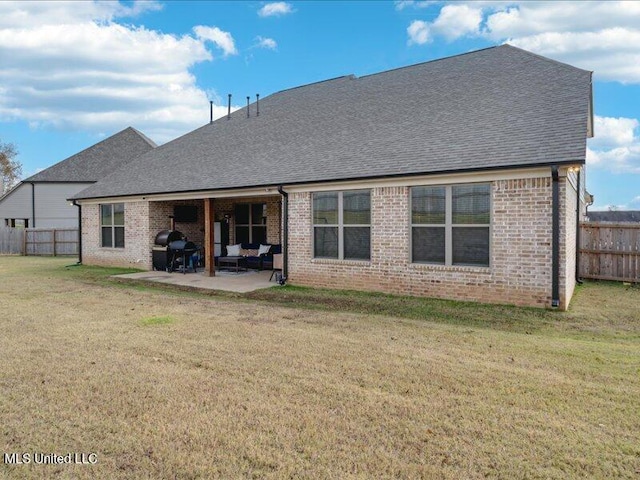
[(73, 73)]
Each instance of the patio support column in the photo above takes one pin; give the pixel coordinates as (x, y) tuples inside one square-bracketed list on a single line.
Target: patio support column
[(209, 240)]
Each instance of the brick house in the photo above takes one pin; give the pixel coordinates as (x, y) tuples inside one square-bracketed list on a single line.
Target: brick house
[(457, 178)]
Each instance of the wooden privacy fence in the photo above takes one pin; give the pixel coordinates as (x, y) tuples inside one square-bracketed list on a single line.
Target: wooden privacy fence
[(50, 241), (11, 241), (610, 251)]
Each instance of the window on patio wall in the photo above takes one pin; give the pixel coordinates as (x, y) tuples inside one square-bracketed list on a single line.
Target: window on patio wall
[(112, 225), (450, 225), (251, 222), (342, 225)]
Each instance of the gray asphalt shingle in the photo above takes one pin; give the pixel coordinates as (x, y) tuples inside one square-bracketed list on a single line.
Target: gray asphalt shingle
[(99, 160), (494, 108)]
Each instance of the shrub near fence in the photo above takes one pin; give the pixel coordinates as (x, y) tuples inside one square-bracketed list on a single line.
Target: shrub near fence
[(43, 241), (11, 241), (610, 251)]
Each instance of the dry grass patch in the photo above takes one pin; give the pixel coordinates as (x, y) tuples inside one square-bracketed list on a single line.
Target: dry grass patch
[(225, 388)]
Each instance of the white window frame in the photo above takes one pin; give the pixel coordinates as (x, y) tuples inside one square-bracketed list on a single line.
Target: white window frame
[(113, 225), (340, 225), (448, 225)]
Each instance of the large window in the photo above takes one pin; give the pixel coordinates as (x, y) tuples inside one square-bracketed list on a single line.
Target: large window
[(450, 225), (251, 222), (342, 225), (112, 225)]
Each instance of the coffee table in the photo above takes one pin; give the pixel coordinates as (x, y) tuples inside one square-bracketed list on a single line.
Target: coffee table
[(230, 263)]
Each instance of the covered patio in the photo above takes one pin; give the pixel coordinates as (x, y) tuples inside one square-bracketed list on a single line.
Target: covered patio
[(249, 219), (242, 282)]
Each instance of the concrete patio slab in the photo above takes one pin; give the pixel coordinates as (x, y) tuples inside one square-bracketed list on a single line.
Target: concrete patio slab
[(241, 282)]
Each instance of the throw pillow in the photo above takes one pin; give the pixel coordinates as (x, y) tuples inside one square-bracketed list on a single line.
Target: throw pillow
[(263, 249), (233, 250), (248, 252)]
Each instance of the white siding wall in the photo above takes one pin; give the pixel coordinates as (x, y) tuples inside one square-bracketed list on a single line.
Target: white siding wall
[(52, 207), (17, 204)]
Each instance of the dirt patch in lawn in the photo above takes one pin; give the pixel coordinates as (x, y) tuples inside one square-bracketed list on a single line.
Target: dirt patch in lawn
[(231, 387)]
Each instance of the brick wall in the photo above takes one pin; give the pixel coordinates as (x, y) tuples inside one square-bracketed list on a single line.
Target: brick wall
[(159, 213), (136, 252), (568, 196), (520, 271)]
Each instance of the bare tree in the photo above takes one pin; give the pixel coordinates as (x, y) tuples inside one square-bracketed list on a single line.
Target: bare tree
[(10, 169)]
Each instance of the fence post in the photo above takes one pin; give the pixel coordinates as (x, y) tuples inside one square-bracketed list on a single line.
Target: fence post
[(54, 242), (24, 242)]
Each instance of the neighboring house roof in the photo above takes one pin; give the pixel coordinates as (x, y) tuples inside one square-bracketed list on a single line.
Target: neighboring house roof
[(615, 216), (495, 108), (99, 160)]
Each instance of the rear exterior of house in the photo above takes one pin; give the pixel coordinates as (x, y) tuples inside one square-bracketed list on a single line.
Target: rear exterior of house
[(457, 179)]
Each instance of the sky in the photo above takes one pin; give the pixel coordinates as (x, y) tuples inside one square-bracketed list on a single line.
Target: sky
[(74, 73)]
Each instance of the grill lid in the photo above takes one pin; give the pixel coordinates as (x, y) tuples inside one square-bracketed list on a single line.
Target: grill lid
[(165, 237), (181, 245)]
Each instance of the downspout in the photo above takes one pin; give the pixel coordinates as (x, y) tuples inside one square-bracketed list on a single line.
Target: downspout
[(555, 237), (578, 281), (33, 205), (285, 235), (79, 231)]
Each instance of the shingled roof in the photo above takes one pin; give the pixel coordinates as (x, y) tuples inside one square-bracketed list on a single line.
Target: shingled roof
[(618, 216), (499, 107), (99, 160)]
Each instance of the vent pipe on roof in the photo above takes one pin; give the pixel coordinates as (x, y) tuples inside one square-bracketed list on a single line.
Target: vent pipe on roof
[(229, 108), (210, 111), (247, 107), (257, 104)]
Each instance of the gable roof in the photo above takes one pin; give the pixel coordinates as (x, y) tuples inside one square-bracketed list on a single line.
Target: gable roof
[(494, 108), (99, 160)]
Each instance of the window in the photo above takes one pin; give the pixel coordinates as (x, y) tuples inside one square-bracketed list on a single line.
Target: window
[(342, 225), (251, 222), (450, 225), (112, 225), (16, 222)]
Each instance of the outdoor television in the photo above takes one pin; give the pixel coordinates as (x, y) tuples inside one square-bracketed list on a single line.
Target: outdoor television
[(185, 213)]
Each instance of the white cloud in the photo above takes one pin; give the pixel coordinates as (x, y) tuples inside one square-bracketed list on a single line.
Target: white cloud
[(71, 66), (457, 21), (454, 21), (268, 43), (616, 145), (223, 40), (418, 32), (602, 36), (275, 9), (402, 4), (613, 132)]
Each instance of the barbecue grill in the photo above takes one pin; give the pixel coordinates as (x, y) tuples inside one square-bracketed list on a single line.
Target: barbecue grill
[(162, 257), (181, 251)]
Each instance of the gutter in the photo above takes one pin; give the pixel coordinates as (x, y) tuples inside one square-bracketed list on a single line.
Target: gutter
[(555, 237), (578, 281), (33, 205), (285, 235), (79, 231)]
